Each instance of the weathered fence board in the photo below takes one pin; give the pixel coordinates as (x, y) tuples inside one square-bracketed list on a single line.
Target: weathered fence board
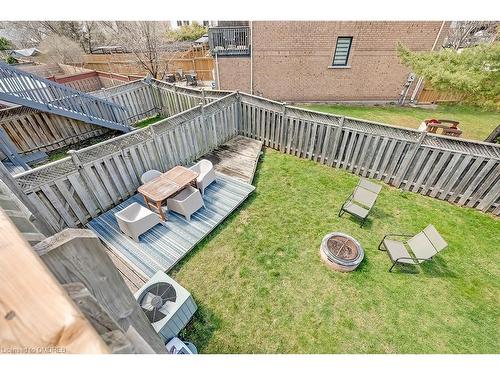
[(31, 130)]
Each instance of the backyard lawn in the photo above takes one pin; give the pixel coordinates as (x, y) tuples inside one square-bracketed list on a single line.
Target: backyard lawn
[(475, 123), (147, 122), (261, 288)]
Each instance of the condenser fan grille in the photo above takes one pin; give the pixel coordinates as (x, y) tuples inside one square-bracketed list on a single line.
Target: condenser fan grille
[(154, 298)]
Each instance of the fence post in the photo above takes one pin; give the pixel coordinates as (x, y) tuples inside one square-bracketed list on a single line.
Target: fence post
[(282, 128), (336, 143), (204, 126), (86, 180), (156, 145), (238, 113), (157, 98), (177, 103), (204, 99), (408, 160)]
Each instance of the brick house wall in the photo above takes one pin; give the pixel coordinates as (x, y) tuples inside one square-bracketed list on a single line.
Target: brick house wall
[(234, 73), (292, 60)]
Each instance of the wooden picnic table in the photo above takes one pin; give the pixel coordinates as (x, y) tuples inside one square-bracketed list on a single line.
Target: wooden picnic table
[(166, 185), (448, 127)]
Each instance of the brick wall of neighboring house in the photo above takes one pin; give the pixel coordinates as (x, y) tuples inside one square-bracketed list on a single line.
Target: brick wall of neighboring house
[(234, 73), (291, 60)]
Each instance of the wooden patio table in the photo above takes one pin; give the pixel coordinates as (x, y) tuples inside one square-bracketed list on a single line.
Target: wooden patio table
[(166, 185)]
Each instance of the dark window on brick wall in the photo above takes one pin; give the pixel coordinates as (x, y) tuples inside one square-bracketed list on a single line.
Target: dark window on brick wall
[(342, 49)]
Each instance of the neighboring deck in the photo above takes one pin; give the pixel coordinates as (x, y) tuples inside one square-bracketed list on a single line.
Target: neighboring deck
[(160, 248)]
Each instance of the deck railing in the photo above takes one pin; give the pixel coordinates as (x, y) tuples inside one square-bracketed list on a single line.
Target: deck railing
[(19, 87), (229, 41)]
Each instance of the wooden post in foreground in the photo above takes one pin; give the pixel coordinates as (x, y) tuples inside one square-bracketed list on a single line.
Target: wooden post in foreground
[(77, 255), (36, 314)]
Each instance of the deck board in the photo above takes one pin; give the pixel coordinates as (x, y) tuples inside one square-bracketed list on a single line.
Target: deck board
[(163, 246), (237, 158)]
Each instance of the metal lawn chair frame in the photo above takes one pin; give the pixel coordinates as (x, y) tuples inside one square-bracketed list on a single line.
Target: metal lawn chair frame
[(424, 246), (362, 200)]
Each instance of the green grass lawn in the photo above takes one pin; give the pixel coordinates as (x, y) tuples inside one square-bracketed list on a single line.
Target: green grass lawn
[(149, 121), (475, 123), (63, 152), (261, 288)]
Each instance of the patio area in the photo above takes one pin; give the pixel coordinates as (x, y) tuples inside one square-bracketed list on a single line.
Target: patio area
[(161, 247), (164, 245)]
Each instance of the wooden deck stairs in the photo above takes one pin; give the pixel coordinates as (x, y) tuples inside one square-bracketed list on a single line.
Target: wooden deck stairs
[(22, 88)]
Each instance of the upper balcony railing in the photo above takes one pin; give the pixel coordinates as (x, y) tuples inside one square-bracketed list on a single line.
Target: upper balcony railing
[(229, 41)]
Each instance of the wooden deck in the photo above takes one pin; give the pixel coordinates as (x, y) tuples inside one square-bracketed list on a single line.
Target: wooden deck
[(160, 248), (163, 246), (237, 158)]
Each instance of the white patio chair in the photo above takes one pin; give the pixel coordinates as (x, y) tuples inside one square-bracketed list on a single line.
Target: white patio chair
[(149, 175), (186, 202), (135, 220), (206, 174)]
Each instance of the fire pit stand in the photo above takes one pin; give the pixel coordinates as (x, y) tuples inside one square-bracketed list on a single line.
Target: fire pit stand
[(341, 252)]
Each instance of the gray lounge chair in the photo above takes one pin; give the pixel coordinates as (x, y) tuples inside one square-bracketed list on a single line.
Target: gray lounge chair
[(368, 185), (206, 174), (135, 220), (424, 245), (362, 200)]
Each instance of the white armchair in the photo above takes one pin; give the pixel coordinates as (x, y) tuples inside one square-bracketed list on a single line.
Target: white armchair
[(186, 202), (206, 174), (149, 175), (135, 220)]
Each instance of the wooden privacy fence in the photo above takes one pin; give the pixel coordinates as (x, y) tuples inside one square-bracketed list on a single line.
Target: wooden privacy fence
[(463, 172), (94, 80), (31, 130), (71, 191), (127, 63), (430, 95), (149, 97), (90, 181)]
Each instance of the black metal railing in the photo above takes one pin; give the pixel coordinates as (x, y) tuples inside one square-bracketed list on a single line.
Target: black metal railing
[(229, 41)]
